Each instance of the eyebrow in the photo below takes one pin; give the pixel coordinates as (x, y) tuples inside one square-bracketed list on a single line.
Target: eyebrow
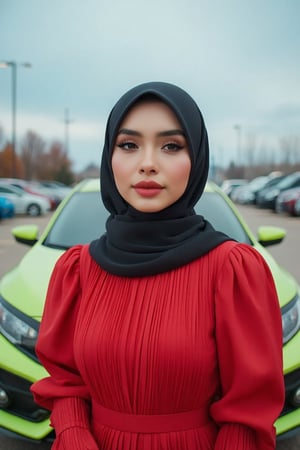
[(129, 132)]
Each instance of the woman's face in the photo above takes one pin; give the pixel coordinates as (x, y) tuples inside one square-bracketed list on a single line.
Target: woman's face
[(150, 161)]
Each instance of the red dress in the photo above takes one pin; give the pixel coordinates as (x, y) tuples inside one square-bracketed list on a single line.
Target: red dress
[(189, 359)]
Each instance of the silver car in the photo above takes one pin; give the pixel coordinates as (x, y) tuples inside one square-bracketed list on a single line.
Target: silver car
[(25, 203)]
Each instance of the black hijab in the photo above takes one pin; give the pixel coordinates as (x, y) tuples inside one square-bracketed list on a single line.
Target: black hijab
[(140, 244)]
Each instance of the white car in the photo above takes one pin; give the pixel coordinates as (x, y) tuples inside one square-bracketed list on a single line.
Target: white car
[(228, 186), (25, 203)]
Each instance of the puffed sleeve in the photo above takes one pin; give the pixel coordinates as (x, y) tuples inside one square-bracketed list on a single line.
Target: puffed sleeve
[(249, 348), (63, 391)]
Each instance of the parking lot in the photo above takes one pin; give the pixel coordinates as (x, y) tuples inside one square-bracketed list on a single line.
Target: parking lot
[(287, 254)]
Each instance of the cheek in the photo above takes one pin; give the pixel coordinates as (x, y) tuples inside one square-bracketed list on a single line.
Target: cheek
[(181, 172), (118, 167)]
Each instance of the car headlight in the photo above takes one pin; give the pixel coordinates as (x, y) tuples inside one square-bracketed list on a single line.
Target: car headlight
[(291, 319), (18, 328)]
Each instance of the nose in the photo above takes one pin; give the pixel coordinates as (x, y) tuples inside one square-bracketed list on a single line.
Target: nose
[(148, 163)]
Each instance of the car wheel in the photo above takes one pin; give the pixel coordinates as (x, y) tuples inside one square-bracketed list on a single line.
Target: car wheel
[(34, 210)]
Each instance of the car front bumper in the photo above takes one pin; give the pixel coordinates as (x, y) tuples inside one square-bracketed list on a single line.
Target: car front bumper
[(24, 419)]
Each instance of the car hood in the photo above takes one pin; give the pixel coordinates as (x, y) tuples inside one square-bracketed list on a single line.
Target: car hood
[(25, 286), (286, 284)]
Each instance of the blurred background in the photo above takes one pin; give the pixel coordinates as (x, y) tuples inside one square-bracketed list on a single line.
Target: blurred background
[(63, 65)]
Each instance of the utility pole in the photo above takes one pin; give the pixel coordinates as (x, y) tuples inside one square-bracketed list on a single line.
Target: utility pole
[(238, 129), (13, 65), (67, 121)]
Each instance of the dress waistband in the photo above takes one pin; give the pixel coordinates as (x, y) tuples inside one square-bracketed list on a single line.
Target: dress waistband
[(149, 423)]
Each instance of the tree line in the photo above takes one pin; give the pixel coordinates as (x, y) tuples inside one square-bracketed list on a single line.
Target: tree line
[(257, 159), (36, 160)]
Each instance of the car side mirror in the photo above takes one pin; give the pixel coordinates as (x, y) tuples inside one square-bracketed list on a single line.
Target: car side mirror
[(269, 235), (26, 234)]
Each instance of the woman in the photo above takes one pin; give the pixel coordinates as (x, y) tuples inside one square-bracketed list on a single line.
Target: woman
[(163, 334)]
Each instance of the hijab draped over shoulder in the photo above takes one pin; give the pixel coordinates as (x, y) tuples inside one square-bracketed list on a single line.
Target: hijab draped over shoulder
[(140, 244)]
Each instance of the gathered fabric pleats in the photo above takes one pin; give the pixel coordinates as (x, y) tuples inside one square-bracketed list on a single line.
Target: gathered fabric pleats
[(173, 361)]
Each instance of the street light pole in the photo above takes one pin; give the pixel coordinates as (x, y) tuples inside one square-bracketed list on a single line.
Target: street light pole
[(13, 66), (67, 121), (14, 108)]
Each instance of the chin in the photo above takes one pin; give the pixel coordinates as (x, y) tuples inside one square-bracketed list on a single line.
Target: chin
[(148, 208)]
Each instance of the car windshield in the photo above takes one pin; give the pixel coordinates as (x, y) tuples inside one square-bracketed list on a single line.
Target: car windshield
[(10, 189), (288, 180), (83, 219)]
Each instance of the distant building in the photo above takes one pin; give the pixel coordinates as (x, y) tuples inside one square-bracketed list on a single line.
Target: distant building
[(91, 171)]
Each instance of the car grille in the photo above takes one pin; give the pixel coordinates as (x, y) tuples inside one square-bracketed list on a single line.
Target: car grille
[(21, 400), (292, 382)]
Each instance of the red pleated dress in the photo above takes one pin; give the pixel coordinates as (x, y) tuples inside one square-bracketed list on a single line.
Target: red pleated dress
[(189, 359)]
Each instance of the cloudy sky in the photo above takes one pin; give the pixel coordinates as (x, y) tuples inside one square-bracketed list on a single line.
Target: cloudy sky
[(238, 59)]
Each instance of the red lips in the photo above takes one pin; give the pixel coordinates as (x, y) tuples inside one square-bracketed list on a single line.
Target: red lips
[(148, 185), (148, 188)]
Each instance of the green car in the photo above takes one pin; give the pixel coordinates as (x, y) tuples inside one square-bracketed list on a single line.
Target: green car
[(81, 218)]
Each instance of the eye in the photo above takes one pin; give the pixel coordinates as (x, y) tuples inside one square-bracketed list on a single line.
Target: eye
[(127, 145), (173, 147)]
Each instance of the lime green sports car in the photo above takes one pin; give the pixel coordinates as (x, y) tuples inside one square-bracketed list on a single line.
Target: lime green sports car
[(81, 218)]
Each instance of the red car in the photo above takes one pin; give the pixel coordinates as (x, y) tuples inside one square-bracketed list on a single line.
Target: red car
[(33, 190), (286, 201)]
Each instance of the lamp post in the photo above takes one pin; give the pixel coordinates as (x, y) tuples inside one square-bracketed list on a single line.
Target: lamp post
[(13, 65), (67, 121)]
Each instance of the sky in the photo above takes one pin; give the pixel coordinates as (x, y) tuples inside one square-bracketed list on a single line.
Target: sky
[(238, 59)]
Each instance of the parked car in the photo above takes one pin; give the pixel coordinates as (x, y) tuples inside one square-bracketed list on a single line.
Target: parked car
[(7, 208), (37, 187), (246, 194), (228, 186), (81, 218), (286, 201), (26, 186), (270, 183), (56, 187), (268, 199), (24, 203)]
